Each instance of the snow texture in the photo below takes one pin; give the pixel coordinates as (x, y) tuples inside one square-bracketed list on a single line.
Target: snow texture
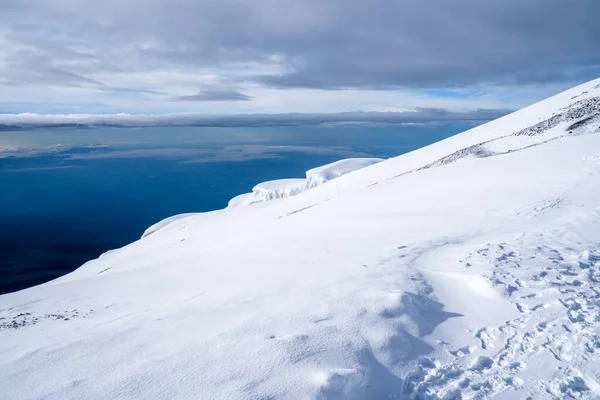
[(469, 269)]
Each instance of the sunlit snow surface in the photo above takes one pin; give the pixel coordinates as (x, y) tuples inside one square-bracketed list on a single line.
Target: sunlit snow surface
[(467, 269)]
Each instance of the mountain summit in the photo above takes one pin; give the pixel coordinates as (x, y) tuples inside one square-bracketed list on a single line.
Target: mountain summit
[(466, 269)]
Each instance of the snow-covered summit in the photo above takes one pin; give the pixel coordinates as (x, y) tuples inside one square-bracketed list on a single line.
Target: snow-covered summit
[(466, 269)]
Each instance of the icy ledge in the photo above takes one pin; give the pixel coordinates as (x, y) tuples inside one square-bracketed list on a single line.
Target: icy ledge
[(281, 188)]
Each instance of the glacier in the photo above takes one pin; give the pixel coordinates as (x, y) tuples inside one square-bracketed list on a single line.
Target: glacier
[(468, 269)]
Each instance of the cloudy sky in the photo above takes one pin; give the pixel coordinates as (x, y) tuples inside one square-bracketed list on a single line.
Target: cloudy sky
[(217, 57)]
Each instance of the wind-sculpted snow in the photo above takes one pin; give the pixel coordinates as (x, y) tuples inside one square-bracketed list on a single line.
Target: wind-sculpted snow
[(277, 189), (282, 188), (163, 223), (469, 269), (320, 175)]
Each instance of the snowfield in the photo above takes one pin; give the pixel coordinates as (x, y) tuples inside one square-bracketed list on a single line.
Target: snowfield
[(468, 269)]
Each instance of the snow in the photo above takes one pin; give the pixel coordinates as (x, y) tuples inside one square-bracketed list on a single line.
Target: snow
[(277, 189), (320, 175), (281, 188), (467, 269), (164, 222)]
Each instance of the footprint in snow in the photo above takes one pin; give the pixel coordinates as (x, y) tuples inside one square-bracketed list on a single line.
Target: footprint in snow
[(463, 351), (482, 364)]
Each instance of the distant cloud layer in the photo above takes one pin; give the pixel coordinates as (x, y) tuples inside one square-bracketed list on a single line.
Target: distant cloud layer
[(420, 116), (185, 154), (215, 95), (290, 56)]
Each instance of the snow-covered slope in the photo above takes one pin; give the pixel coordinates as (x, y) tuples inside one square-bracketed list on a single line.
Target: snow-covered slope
[(466, 269), (281, 188)]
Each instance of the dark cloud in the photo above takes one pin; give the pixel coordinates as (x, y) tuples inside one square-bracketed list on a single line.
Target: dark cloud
[(419, 116), (318, 44), (215, 95)]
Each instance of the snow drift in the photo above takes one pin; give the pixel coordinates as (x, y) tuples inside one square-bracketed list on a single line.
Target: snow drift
[(281, 188), (320, 175), (466, 269)]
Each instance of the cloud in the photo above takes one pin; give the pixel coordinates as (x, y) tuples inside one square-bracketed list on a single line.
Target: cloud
[(419, 116), (77, 52), (226, 154), (255, 152), (50, 168), (215, 95), (8, 151), (232, 153)]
